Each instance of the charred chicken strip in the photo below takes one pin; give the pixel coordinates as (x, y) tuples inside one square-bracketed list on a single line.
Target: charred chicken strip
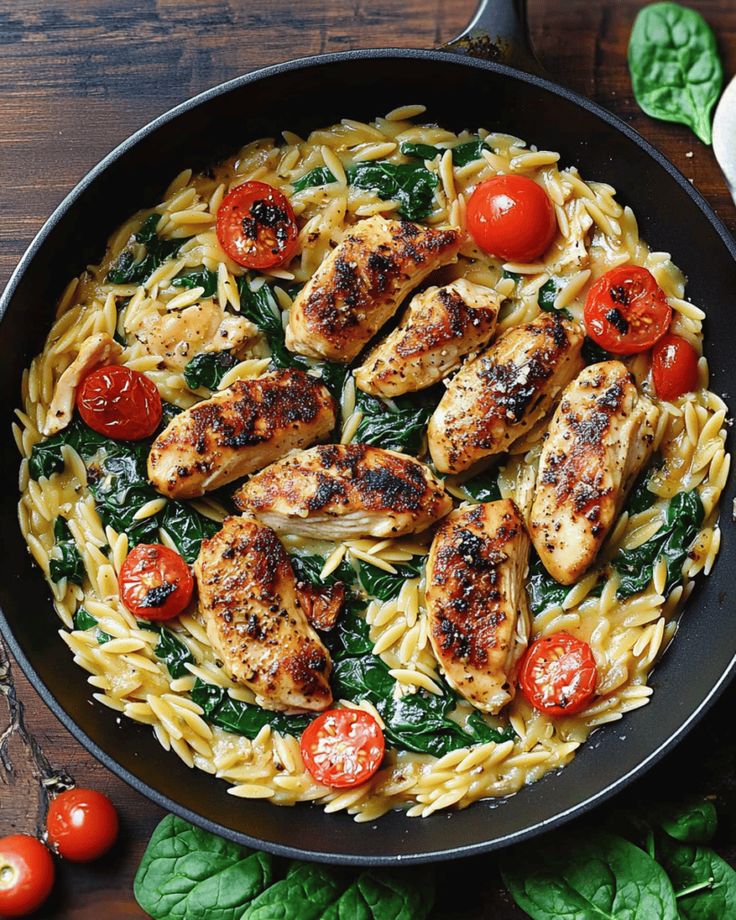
[(248, 599), (476, 601), (361, 284), (599, 439)]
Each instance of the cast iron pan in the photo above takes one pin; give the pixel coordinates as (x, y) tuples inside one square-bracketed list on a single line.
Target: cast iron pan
[(461, 91)]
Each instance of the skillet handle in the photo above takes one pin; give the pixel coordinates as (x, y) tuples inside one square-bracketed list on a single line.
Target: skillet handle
[(498, 32)]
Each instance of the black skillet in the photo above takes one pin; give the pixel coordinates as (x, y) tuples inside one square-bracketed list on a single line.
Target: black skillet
[(461, 90)]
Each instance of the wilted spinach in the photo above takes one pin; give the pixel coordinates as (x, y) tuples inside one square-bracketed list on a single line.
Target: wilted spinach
[(544, 592), (309, 568), (241, 718), (260, 307), (171, 650), (398, 426), (84, 620), (547, 295), (672, 541), (208, 368), (198, 277), (385, 585), (641, 496), (675, 69), (483, 487), (462, 154), (65, 560), (128, 270), (593, 353)]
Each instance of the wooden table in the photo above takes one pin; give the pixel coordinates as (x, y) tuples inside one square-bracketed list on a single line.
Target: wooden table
[(78, 77)]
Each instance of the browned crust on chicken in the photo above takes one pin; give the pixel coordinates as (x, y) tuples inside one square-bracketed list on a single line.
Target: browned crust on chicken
[(498, 397), (361, 284), (598, 440), (475, 594), (343, 490), (248, 599), (242, 429)]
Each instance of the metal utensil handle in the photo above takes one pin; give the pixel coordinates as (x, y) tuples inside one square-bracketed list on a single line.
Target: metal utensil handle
[(498, 32)]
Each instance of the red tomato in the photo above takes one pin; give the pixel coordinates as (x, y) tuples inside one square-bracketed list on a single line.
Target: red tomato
[(674, 367), (558, 675), (26, 875), (155, 582), (343, 747), (82, 824), (256, 226), (512, 218), (626, 310), (120, 403)]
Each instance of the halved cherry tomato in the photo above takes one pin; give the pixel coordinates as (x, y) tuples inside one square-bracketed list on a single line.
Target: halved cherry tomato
[(120, 403), (343, 747), (558, 675), (626, 310), (256, 226), (512, 217), (26, 875), (674, 367), (155, 582), (82, 824)]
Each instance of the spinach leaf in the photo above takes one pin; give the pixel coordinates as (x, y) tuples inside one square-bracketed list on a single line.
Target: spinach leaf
[(481, 732), (171, 650), (187, 528), (198, 277), (546, 298), (483, 487), (208, 368), (309, 568), (411, 184), (350, 636), (261, 308), (400, 427), (83, 619), (384, 585), (462, 154), (544, 592), (188, 874), (127, 270), (694, 821), (593, 353), (641, 497), (672, 541), (334, 377), (381, 895), (705, 883), (65, 560), (306, 892), (243, 718), (588, 876), (675, 69)]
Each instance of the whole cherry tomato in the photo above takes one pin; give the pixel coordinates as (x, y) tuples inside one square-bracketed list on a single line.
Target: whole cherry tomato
[(120, 403), (343, 747), (26, 875), (626, 310), (155, 582), (82, 824), (256, 226), (558, 675), (674, 367), (512, 217)]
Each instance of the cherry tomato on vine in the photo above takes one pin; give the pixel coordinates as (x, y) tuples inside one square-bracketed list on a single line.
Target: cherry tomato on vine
[(82, 824), (256, 226), (626, 310), (512, 217), (26, 875), (155, 582), (558, 675), (343, 747), (674, 367), (120, 403)]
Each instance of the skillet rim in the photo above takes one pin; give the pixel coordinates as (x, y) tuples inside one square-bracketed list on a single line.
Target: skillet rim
[(378, 54)]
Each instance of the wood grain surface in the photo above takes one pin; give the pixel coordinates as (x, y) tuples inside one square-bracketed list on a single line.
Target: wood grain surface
[(77, 77)]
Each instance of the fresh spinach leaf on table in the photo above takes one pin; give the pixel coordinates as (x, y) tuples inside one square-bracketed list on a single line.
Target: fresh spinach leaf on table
[(198, 277), (208, 368), (131, 270), (241, 718), (189, 874), (692, 821), (65, 560), (675, 69), (705, 884)]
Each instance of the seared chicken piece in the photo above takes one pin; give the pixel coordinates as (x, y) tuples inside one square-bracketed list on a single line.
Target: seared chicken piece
[(476, 601), (498, 397), (441, 327), (248, 599), (599, 439), (179, 335), (361, 283), (96, 351), (338, 491), (241, 429)]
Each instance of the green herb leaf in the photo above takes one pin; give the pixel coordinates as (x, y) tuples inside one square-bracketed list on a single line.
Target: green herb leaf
[(671, 542), (399, 426), (198, 277), (243, 718), (128, 270), (462, 154), (675, 69), (189, 874), (588, 876), (705, 884), (208, 368), (384, 585)]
